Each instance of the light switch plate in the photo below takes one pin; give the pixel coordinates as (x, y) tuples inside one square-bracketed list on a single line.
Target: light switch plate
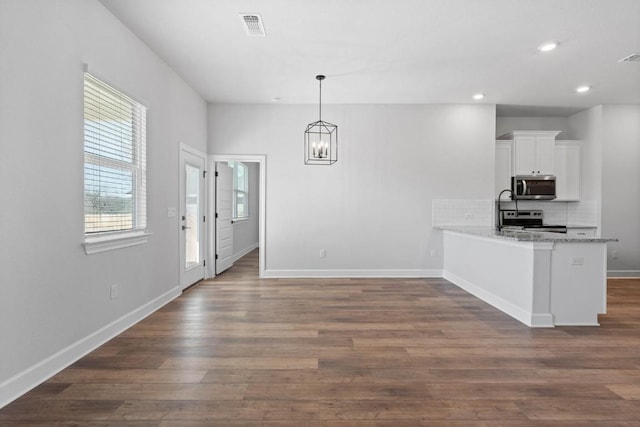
[(171, 212)]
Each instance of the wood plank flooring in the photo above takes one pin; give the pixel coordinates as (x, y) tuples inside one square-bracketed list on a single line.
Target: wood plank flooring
[(240, 351)]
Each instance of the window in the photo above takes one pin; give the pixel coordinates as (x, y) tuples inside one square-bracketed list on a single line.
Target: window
[(114, 161), (240, 190)]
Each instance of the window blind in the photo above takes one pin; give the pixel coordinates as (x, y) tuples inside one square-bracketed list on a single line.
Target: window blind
[(114, 160)]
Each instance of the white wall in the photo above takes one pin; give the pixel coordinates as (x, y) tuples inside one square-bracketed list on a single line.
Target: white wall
[(587, 127), (52, 295), (371, 211), (621, 187), (245, 232)]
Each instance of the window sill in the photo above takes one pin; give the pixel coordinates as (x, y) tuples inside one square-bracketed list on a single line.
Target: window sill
[(95, 245)]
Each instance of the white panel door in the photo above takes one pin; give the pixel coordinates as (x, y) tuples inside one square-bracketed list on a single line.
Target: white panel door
[(192, 219), (224, 217)]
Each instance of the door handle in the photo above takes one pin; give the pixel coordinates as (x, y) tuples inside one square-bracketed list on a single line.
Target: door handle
[(184, 227)]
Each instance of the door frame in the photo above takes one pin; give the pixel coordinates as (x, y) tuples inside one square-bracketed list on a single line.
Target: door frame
[(261, 159), (205, 255)]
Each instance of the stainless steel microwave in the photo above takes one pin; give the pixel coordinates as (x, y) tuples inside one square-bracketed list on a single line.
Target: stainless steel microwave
[(534, 187)]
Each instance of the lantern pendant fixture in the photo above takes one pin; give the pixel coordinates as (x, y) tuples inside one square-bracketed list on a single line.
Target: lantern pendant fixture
[(320, 139)]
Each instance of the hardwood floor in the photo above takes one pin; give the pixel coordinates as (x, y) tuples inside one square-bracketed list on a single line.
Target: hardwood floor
[(240, 351)]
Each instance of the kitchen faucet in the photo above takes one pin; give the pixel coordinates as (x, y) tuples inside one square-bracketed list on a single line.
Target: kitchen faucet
[(513, 197)]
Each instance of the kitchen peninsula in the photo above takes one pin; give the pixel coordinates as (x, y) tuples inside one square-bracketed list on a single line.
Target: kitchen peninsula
[(541, 279)]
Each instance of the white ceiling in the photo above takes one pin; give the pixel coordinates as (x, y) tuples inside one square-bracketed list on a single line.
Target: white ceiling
[(398, 51)]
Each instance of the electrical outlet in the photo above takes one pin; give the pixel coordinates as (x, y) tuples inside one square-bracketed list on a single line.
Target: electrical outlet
[(113, 291), (323, 253), (614, 254), (434, 252)]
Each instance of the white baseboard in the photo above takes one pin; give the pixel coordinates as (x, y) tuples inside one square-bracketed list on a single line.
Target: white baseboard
[(245, 251), (26, 380), (534, 320), (320, 274), (623, 273)]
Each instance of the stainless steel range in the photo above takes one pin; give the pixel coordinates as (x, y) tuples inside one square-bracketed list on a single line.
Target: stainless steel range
[(527, 220)]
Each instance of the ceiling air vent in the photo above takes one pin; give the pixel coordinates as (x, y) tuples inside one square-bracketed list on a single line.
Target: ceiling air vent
[(252, 23), (634, 57)]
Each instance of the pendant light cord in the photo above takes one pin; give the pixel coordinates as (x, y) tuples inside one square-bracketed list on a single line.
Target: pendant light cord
[(320, 105)]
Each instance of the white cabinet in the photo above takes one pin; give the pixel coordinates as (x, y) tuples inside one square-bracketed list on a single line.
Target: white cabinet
[(530, 150), (581, 232), (567, 170), (533, 152), (503, 166)]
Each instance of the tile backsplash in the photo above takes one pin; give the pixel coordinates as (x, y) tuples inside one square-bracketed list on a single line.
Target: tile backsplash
[(480, 213), (456, 212), (583, 213)]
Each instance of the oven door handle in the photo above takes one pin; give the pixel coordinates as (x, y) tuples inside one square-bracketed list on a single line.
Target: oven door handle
[(524, 187)]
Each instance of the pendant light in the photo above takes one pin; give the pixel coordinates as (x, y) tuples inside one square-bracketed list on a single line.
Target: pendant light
[(320, 139)]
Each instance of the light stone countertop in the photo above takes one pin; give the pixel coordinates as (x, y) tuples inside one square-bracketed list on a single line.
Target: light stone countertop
[(525, 236)]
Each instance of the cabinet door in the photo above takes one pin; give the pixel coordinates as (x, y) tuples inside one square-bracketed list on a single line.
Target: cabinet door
[(567, 171), (525, 154), (503, 166), (545, 155)]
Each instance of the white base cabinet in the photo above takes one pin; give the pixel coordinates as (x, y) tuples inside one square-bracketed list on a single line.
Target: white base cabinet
[(541, 284), (581, 232)]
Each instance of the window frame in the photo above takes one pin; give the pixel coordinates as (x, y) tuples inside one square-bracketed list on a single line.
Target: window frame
[(236, 190), (105, 240)]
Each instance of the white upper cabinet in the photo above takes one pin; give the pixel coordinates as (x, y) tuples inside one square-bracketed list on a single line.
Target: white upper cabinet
[(545, 154), (564, 163), (533, 152), (525, 156)]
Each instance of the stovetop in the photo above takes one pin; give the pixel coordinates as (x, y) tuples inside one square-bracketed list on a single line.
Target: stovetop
[(528, 220)]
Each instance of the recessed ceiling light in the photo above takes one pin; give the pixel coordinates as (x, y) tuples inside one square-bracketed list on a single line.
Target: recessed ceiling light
[(583, 89), (547, 47), (478, 96)]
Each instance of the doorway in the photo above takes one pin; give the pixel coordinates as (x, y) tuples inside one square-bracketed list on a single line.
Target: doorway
[(192, 215), (218, 234)]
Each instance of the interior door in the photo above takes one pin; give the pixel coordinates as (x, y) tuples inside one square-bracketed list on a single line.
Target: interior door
[(192, 218), (224, 217)]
